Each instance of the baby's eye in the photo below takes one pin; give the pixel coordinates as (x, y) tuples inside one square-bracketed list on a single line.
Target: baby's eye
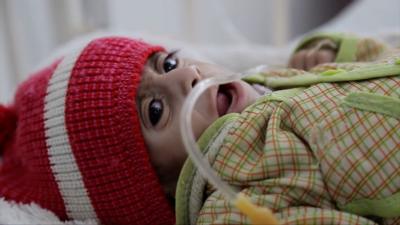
[(155, 111), (170, 62)]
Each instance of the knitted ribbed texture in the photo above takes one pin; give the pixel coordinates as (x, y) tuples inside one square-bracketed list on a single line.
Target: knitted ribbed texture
[(25, 172), (78, 148)]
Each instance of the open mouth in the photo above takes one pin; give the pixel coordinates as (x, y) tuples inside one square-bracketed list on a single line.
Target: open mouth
[(224, 98)]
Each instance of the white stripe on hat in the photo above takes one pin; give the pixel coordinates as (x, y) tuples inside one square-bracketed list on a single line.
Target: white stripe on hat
[(62, 160)]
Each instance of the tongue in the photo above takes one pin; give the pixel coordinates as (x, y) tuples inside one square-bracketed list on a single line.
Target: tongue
[(222, 103)]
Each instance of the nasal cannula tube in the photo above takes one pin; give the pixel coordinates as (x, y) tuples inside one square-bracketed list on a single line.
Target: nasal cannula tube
[(256, 214)]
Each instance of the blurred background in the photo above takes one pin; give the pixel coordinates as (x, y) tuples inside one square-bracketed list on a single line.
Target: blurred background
[(31, 30)]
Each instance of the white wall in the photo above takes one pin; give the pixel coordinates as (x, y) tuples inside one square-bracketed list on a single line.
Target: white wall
[(203, 21), (6, 79), (368, 16), (160, 17), (272, 22), (29, 36), (30, 30)]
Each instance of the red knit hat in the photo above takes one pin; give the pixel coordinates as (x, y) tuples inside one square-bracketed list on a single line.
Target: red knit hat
[(72, 140)]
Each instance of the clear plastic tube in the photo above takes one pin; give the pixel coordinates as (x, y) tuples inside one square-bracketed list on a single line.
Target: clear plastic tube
[(189, 140), (258, 215)]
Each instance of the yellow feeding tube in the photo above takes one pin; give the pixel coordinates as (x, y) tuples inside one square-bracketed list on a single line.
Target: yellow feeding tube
[(256, 214)]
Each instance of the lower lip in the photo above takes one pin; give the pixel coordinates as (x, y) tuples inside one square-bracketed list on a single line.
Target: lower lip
[(237, 98), (237, 95)]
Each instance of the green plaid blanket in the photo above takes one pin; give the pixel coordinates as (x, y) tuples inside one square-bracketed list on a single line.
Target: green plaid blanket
[(324, 152)]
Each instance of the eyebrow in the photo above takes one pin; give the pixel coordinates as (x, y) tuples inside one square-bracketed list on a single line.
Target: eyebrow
[(153, 60), (172, 53), (139, 101)]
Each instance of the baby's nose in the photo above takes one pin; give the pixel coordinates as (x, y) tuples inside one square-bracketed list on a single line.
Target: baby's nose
[(186, 78), (197, 72)]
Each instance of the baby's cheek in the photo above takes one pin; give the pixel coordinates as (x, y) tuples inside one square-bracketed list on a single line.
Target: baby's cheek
[(200, 122), (255, 91)]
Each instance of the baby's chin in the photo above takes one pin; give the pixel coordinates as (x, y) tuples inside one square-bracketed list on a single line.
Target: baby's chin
[(250, 95), (261, 89)]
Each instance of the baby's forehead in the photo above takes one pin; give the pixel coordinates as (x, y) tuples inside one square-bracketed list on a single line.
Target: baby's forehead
[(146, 81)]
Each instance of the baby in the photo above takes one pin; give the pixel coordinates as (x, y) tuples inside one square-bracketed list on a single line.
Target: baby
[(165, 83), (96, 135)]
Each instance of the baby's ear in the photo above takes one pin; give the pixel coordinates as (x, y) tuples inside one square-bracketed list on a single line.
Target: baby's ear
[(8, 124)]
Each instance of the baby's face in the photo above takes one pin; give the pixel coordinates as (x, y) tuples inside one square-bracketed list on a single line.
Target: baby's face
[(166, 82)]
